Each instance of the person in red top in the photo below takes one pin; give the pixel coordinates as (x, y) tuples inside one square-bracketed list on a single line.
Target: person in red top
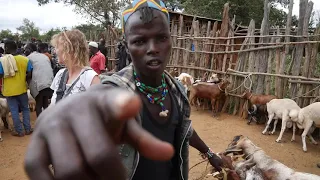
[(97, 60)]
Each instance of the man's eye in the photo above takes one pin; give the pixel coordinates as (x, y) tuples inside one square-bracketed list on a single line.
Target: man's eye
[(138, 42), (163, 38)]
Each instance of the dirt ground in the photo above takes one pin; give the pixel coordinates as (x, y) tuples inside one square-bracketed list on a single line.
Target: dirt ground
[(216, 132)]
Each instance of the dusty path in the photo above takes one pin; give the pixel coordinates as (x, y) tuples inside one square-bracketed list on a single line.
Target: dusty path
[(217, 133)]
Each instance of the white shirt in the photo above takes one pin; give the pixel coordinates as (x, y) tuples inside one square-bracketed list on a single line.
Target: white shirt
[(81, 85)]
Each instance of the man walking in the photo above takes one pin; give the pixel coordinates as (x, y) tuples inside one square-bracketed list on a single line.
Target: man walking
[(97, 60), (42, 78), (16, 70)]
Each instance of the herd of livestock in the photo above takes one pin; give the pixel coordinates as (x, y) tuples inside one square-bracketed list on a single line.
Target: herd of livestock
[(211, 88)]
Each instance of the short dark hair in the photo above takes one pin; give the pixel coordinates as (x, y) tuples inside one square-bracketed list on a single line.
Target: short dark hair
[(1, 50), (32, 46), (10, 46), (43, 46)]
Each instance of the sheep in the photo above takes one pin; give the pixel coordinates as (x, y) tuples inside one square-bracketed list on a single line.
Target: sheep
[(308, 118), (281, 108), (4, 115), (32, 102)]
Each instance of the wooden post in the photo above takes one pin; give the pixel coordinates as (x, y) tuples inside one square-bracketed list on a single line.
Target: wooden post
[(263, 55), (281, 83), (278, 62), (174, 32), (251, 31), (313, 58), (207, 47), (269, 68), (223, 33), (186, 59), (179, 44), (306, 67), (196, 46), (299, 47), (224, 64), (214, 34)]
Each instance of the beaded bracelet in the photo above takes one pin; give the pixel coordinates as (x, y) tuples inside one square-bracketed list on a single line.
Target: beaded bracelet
[(209, 154)]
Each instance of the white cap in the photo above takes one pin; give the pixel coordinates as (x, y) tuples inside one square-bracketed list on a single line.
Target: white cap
[(93, 44)]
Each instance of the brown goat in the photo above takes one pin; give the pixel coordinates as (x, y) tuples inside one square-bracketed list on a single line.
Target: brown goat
[(257, 98), (209, 91)]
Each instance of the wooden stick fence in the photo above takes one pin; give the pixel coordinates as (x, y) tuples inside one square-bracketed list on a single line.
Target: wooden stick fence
[(279, 61), (224, 51)]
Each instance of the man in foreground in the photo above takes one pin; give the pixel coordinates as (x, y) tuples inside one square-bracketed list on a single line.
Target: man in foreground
[(145, 119)]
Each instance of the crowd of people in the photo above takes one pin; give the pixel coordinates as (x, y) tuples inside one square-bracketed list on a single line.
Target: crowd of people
[(41, 67)]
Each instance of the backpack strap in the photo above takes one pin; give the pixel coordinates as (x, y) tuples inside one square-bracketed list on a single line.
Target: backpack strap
[(62, 85), (61, 92)]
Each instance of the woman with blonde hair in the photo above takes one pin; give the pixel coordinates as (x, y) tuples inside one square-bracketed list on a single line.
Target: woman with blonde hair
[(73, 52)]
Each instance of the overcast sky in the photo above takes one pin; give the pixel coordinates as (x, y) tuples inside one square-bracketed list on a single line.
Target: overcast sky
[(54, 15)]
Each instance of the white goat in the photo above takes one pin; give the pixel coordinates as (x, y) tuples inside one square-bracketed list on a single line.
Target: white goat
[(283, 109), (308, 119)]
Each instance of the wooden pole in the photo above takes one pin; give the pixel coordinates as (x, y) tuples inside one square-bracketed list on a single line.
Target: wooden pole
[(186, 59), (299, 48), (268, 88), (214, 34), (179, 52), (223, 33), (263, 55)]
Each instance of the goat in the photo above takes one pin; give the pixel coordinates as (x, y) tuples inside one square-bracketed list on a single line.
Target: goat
[(270, 168), (258, 98), (280, 109), (209, 91), (209, 79), (186, 80), (213, 78), (308, 119)]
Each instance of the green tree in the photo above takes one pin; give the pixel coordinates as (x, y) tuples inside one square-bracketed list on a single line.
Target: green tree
[(46, 37), (106, 12), (6, 34), (28, 30), (91, 31), (245, 10)]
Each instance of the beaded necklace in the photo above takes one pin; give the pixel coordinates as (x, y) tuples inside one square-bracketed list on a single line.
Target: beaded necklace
[(149, 91)]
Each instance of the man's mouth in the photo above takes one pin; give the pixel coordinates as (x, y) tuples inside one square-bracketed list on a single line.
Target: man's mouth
[(154, 63)]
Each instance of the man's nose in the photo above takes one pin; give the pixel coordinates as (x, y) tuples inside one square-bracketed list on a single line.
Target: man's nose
[(153, 47)]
